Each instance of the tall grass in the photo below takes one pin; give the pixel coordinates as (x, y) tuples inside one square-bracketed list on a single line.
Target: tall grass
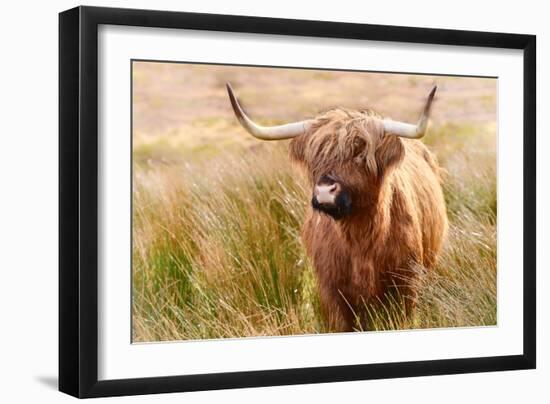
[(217, 251)]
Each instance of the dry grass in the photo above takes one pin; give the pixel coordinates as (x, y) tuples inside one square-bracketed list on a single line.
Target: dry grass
[(216, 214), (217, 251)]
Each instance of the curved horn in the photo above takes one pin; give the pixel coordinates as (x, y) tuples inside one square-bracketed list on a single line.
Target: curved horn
[(279, 132), (408, 130)]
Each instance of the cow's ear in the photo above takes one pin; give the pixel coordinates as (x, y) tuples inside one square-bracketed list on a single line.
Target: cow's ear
[(389, 153), (296, 149)]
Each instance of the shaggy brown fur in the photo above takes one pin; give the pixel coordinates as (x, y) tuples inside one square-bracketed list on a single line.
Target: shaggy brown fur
[(398, 220)]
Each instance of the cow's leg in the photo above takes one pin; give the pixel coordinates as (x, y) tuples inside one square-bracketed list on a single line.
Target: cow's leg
[(404, 288), (338, 315), (410, 296)]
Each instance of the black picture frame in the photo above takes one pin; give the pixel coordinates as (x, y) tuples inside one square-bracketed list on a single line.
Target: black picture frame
[(78, 200)]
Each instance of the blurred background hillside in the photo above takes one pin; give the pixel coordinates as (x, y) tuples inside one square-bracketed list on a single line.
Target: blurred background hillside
[(182, 109)]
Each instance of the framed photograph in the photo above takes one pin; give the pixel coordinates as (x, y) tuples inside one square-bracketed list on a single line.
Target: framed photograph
[(251, 201)]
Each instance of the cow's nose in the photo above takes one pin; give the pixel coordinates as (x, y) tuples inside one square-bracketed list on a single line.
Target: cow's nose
[(326, 193)]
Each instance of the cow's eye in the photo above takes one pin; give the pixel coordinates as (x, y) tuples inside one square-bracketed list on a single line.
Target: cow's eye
[(358, 146)]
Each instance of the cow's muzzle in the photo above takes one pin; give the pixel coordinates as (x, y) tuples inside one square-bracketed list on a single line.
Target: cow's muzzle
[(331, 197)]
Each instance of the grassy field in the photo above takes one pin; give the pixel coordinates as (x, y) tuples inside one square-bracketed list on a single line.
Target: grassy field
[(216, 213)]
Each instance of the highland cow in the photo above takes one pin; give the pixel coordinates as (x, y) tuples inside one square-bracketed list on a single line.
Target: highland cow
[(377, 211)]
